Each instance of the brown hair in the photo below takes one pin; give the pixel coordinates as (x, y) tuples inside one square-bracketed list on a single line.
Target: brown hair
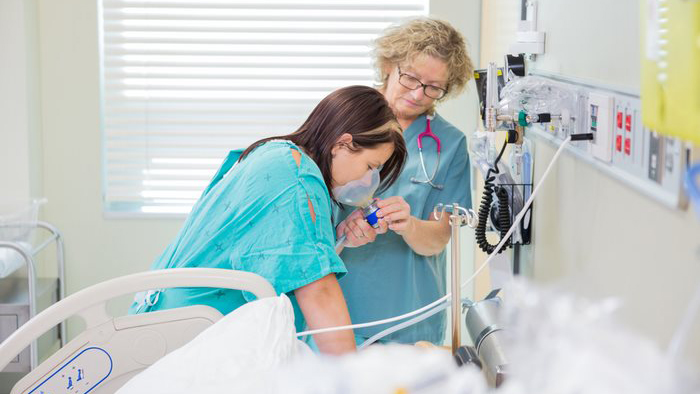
[(360, 111)]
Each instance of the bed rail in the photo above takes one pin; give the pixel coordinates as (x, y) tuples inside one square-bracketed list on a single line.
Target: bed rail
[(90, 303)]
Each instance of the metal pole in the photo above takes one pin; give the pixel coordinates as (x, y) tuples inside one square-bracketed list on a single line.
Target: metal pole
[(459, 217), (31, 274), (60, 260), (455, 258)]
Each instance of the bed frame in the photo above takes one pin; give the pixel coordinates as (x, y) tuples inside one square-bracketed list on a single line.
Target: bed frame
[(111, 350)]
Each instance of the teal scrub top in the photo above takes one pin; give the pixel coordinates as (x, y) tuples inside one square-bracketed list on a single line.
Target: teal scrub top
[(254, 217), (386, 278)]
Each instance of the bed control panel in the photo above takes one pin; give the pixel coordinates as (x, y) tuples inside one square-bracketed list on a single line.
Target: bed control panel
[(80, 374), (103, 358)]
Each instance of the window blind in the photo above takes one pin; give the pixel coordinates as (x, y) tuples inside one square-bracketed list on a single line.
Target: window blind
[(184, 82)]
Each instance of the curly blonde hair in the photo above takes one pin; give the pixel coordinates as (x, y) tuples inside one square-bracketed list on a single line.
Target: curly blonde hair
[(424, 36)]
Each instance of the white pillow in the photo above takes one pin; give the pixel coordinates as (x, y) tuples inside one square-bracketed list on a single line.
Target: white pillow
[(230, 356)]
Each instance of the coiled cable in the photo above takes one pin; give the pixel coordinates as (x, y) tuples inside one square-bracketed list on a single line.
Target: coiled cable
[(485, 208)]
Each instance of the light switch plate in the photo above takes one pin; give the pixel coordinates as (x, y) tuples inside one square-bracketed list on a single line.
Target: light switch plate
[(600, 122)]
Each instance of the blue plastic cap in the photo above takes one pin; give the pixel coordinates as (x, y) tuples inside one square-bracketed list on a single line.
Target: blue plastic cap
[(372, 219)]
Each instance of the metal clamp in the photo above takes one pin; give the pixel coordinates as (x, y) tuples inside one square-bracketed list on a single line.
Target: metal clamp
[(465, 216)]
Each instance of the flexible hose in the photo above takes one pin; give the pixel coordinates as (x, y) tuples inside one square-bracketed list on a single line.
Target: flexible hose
[(518, 218), (485, 209), (403, 325)]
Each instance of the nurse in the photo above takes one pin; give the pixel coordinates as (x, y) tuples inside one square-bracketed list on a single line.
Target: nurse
[(268, 211), (419, 63)]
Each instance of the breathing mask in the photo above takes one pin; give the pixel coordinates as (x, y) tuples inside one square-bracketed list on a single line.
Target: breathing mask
[(359, 193)]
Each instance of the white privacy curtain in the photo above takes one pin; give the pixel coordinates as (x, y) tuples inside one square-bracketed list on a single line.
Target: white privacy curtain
[(184, 82)]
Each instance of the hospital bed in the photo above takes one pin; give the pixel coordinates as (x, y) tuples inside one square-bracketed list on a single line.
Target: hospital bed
[(111, 350)]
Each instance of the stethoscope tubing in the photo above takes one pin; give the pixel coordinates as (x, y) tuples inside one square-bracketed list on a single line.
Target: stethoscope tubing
[(428, 179)]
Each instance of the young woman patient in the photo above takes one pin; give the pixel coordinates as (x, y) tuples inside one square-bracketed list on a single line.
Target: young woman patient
[(268, 211)]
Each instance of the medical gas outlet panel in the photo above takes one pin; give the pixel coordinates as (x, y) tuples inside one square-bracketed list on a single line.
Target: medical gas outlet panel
[(623, 148)]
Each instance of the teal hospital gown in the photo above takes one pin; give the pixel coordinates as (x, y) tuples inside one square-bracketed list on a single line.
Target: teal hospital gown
[(254, 217), (386, 278)]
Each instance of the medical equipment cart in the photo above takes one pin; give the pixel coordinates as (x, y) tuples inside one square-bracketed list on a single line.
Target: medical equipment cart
[(20, 297)]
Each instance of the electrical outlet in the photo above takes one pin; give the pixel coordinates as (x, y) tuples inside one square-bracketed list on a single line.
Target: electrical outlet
[(628, 139), (618, 153), (579, 120), (673, 164), (654, 156), (600, 123), (636, 159)]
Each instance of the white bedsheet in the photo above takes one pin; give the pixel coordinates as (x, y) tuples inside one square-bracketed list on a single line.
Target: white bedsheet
[(231, 356)]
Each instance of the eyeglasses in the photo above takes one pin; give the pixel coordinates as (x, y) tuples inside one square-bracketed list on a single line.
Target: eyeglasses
[(413, 83)]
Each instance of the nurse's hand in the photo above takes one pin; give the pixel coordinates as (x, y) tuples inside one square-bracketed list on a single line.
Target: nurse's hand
[(397, 213), (357, 230)]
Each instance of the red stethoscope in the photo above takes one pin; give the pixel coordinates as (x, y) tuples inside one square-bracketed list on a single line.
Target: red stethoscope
[(428, 133)]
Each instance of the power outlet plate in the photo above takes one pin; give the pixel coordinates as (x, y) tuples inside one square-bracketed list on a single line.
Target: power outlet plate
[(600, 116), (628, 138)]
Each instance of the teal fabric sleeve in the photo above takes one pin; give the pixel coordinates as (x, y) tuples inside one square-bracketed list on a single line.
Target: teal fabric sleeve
[(286, 245)]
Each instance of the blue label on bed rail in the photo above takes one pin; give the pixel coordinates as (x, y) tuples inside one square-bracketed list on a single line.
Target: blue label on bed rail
[(81, 374)]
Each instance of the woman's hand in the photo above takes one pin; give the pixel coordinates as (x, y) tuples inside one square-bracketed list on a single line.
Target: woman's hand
[(357, 231), (396, 212)]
